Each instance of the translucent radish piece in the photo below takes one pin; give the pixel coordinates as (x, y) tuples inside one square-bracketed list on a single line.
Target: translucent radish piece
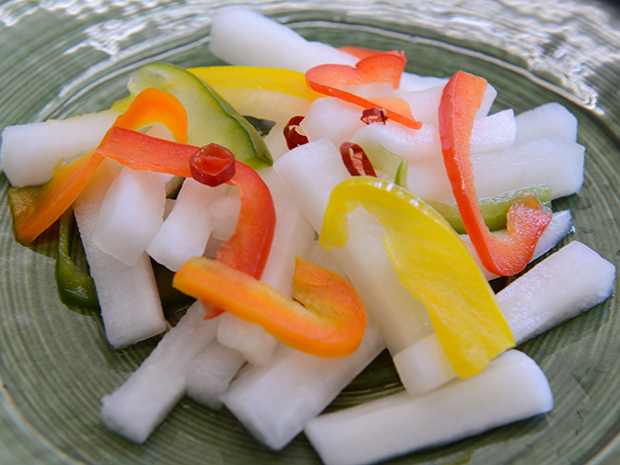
[(317, 254), (128, 296), (555, 231), (425, 103), (241, 36), (136, 408), (565, 284), (412, 82), (225, 214), (512, 388), (275, 401), (30, 152), (250, 340), (187, 228), (561, 287), (550, 161), (548, 120), (491, 133), (131, 214), (276, 143), (312, 171), (210, 372), (333, 119)]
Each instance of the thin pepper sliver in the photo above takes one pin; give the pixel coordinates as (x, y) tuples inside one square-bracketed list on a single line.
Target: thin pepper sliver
[(331, 79), (433, 263), (527, 218)]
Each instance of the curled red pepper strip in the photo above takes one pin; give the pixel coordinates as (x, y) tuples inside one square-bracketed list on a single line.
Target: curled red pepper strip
[(388, 67), (248, 249), (526, 219), (292, 135), (356, 160), (212, 165), (374, 115)]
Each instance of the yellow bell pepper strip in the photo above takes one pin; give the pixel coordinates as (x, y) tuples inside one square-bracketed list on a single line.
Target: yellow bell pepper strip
[(284, 81), (35, 209), (433, 263), (330, 323), (210, 118), (248, 249), (526, 219), (388, 67)]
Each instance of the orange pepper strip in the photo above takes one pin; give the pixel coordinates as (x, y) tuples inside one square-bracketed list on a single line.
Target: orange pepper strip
[(248, 249), (331, 324), (526, 219), (36, 208), (381, 67)]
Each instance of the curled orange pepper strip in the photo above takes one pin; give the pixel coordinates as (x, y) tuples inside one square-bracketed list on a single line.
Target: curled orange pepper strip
[(526, 219), (330, 323), (36, 208), (388, 67)]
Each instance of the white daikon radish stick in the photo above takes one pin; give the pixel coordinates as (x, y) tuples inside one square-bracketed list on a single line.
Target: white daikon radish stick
[(128, 296), (317, 254), (562, 286), (131, 214), (312, 171), (210, 372), (136, 408), (425, 103), (548, 120), (550, 161), (333, 119), (555, 231), (241, 36), (491, 133), (276, 143), (30, 152), (275, 401), (293, 235), (512, 388), (225, 214), (187, 228)]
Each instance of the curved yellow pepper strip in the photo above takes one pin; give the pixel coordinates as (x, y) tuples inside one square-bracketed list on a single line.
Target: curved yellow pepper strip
[(433, 263), (284, 81)]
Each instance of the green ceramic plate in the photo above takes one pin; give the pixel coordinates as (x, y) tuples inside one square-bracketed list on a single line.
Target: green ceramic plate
[(59, 58)]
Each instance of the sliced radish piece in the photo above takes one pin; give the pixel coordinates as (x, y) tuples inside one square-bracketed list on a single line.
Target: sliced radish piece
[(512, 388), (187, 228), (275, 401), (136, 408), (548, 120), (30, 152), (128, 296), (210, 372), (491, 133)]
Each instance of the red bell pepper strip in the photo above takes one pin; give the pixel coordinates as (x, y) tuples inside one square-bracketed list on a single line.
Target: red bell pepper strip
[(36, 208), (388, 67), (360, 52), (526, 219), (330, 323), (248, 249)]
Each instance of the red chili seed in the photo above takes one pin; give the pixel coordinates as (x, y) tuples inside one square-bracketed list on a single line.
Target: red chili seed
[(374, 115)]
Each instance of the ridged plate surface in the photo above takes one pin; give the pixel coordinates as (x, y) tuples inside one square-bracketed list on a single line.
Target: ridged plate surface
[(60, 58)]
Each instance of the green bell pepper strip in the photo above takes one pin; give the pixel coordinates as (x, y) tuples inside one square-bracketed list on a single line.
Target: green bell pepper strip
[(75, 286), (210, 118), (432, 263)]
